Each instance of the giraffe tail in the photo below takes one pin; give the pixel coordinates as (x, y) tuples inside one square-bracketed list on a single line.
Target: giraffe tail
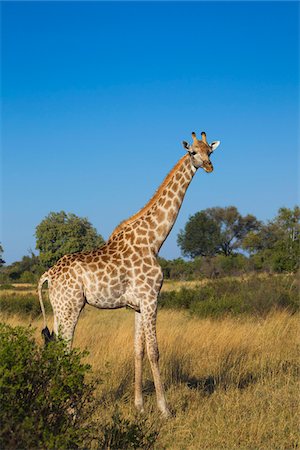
[(45, 332)]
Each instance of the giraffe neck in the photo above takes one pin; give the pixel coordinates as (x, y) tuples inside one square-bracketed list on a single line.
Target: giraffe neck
[(152, 224)]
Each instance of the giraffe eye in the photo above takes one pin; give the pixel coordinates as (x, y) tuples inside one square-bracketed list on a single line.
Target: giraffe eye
[(193, 153)]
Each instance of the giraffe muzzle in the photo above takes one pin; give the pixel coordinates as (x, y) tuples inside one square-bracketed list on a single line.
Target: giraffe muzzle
[(208, 167)]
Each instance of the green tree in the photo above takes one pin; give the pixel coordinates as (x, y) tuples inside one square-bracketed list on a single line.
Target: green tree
[(233, 227), (215, 230), (62, 233), (200, 237), (29, 264), (276, 245)]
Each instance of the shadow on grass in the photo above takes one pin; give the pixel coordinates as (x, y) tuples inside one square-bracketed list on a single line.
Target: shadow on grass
[(210, 383), (207, 385)]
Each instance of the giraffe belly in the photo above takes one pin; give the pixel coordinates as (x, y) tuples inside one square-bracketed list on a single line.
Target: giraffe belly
[(105, 298), (108, 299)]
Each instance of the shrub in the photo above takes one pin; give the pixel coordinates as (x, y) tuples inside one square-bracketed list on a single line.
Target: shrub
[(234, 264), (28, 277), (177, 269), (208, 267), (121, 433), (222, 297), (47, 403), (44, 396)]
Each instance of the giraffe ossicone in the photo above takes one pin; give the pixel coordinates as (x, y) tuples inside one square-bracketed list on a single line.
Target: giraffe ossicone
[(124, 271)]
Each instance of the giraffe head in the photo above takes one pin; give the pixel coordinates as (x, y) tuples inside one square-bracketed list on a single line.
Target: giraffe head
[(200, 151)]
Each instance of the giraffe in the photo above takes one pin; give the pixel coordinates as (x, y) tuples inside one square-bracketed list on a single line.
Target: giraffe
[(125, 272)]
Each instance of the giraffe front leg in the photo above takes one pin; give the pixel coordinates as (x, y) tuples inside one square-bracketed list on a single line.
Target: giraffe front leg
[(139, 348), (149, 323)]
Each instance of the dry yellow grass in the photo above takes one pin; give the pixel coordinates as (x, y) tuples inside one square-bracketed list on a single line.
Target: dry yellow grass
[(20, 289), (231, 383)]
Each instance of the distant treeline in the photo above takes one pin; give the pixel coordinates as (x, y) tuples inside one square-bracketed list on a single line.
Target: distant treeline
[(216, 242)]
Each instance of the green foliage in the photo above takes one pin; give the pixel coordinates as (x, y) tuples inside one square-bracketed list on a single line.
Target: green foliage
[(28, 270), (22, 305), (233, 227), (200, 237), (205, 267), (215, 230), (61, 233), (177, 269), (276, 246), (6, 286), (27, 277), (45, 399), (235, 264), (124, 434), (222, 297), (47, 403)]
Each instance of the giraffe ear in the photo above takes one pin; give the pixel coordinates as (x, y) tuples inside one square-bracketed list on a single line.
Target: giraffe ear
[(186, 145), (214, 145)]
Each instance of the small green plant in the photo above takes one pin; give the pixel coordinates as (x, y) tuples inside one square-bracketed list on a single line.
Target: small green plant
[(121, 433), (45, 399)]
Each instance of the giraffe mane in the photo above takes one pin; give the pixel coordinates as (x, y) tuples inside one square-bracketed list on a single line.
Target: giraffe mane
[(151, 202)]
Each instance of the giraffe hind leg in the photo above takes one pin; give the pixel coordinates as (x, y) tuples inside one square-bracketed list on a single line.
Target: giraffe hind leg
[(67, 303), (66, 321)]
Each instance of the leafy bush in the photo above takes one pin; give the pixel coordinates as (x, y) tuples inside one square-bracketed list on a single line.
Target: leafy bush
[(45, 399), (177, 269), (235, 264), (28, 277), (47, 403), (124, 434), (206, 267), (221, 297)]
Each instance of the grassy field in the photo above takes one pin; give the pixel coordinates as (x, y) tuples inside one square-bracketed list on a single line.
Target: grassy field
[(231, 383)]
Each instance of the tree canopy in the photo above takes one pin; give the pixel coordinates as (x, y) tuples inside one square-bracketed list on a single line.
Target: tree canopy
[(61, 233), (26, 270), (277, 244), (215, 230), (200, 237), (233, 227)]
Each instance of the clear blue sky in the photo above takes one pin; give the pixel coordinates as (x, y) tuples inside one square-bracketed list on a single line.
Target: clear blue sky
[(97, 98)]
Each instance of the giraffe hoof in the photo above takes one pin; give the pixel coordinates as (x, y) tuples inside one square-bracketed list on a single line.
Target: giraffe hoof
[(140, 409), (166, 414)]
